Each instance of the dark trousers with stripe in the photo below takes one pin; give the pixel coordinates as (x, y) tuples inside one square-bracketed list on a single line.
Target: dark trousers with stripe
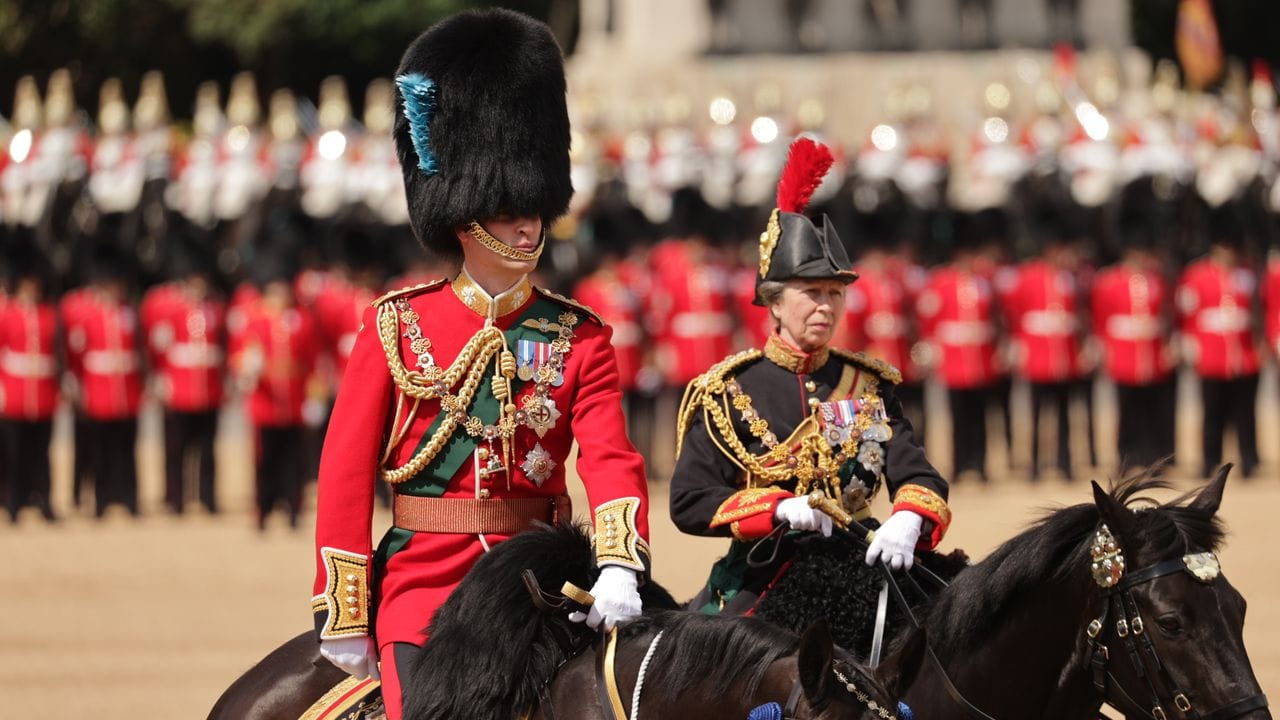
[(1230, 402), (188, 438), (26, 450), (109, 446), (282, 466), (1146, 431), (969, 429)]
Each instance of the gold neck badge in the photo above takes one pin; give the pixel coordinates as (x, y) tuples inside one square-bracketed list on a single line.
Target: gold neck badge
[(494, 245), (784, 355), (475, 297)]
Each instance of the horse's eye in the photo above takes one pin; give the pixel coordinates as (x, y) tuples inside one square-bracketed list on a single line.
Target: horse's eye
[(1169, 624)]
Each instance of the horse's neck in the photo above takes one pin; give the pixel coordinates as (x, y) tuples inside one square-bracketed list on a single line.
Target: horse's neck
[(1031, 664)]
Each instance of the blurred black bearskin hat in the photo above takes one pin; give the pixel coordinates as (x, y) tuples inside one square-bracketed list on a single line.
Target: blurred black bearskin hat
[(1228, 224), (23, 258), (691, 215), (482, 128), (1144, 216)]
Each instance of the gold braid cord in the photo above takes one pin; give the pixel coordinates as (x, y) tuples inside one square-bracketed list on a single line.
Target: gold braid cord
[(471, 363), (887, 372), (711, 381), (494, 245)]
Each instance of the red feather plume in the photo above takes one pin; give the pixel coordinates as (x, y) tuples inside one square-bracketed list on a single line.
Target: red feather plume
[(807, 164)]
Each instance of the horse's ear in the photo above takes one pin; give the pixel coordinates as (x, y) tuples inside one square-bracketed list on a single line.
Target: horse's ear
[(815, 660), (898, 671), (1112, 512), (1210, 497)]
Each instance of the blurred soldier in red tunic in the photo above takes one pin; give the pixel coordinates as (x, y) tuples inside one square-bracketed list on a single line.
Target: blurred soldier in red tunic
[(958, 319), (29, 368), (1217, 301), (1133, 320), (185, 326), (104, 339), (470, 393), (1045, 309), (274, 348)]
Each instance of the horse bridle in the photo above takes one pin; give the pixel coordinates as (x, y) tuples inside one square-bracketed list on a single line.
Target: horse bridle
[(1118, 585), (788, 711)]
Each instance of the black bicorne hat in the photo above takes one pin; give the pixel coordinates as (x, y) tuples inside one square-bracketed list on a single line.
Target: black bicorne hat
[(792, 245), (482, 128)]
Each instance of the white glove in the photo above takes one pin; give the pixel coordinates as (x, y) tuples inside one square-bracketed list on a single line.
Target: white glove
[(802, 517), (895, 541), (617, 597), (355, 655)]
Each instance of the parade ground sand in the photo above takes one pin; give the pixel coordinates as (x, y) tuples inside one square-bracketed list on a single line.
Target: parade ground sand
[(153, 618)]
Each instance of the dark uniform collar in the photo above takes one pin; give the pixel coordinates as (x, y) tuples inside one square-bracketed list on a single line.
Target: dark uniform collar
[(492, 308), (789, 357)]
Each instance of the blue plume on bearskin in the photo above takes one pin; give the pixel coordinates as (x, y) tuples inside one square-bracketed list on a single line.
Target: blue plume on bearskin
[(419, 95), (904, 711)]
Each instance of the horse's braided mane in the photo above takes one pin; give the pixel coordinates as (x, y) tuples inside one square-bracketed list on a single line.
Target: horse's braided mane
[(1055, 549), (711, 651)]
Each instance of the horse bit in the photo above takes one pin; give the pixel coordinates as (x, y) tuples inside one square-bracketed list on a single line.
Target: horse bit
[(1109, 573)]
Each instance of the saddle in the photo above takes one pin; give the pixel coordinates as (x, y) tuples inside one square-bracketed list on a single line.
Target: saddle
[(350, 699)]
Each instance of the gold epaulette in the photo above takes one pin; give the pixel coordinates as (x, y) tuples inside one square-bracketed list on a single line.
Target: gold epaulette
[(709, 382), (571, 303), (887, 372), (412, 289)]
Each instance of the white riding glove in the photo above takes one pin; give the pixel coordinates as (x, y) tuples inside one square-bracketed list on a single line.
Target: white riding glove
[(357, 656), (802, 517), (895, 541), (617, 597)]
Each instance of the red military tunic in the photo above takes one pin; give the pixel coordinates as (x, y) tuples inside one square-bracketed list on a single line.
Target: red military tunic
[(690, 310), (186, 337), (103, 341), (28, 360), (1131, 317), (1043, 307), (429, 327), (338, 308), (957, 316), (619, 305), (757, 322), (876, 319), (277, 350), (1215, 310)]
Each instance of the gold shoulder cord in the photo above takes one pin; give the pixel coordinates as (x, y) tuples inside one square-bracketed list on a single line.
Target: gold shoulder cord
[(471, 361), (696, 393), (887, 372)]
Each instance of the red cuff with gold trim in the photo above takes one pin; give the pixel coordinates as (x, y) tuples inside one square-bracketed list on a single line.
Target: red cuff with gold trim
[(749, 513), (928, 505)]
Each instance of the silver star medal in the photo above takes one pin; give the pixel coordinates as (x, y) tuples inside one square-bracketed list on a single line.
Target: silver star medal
[(537, 465), (541, 416)]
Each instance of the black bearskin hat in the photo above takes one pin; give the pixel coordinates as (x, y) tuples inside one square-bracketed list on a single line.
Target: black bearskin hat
[(1144, 217), (482, 128)]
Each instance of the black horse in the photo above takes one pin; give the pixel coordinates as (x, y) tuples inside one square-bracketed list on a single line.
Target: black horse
[(1030, 632), (506, 657)]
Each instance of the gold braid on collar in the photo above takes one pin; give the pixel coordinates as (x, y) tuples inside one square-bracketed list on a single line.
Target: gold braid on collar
[(790, 358)]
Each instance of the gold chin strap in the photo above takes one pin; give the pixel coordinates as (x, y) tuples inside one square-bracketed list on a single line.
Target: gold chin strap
[(495, 245)]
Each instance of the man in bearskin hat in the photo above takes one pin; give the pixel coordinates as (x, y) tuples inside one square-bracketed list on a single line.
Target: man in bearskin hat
[(468, 393), (1216, 303), (797, 430), (1132, 307), (184, 321), (30, 350)]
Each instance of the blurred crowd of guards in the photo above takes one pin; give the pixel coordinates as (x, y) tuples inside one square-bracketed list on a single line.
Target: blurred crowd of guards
[(1106, 234)]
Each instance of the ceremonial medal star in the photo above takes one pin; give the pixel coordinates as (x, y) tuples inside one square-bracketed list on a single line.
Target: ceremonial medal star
[(537, 465), (540, 414)]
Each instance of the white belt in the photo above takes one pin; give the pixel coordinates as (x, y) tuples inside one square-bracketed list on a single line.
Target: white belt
[(1134, 327), (700, 324), (30, 365), (195, 355), (110, 362), (1049, 323), (1224, 320), (885, 325), (965, 332)]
